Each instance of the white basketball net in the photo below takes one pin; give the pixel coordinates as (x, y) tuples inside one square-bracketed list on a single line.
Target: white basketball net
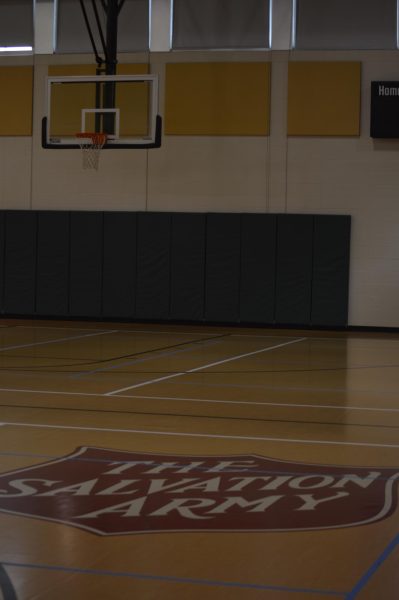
[(91, 145)]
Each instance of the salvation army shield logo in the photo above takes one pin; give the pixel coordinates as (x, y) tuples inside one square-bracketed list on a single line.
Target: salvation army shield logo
[(112, 492)]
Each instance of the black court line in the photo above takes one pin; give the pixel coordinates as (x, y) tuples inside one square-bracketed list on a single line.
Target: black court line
[(6, 586), (120, 357), (45, 357), (30, 369), (198, 416)]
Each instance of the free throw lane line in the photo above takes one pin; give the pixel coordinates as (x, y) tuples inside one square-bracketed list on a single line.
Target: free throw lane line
[(202, 367), (56, 341), (207, 400)]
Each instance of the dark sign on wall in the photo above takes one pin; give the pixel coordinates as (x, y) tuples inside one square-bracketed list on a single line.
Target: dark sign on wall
[(384, 120)]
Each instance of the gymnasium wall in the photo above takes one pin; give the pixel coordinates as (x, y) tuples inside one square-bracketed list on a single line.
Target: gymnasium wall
[(338, 171)]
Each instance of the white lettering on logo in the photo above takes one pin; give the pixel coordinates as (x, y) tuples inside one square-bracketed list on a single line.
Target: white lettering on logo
[(25, 489), (310, 501), (114, 490), (83, 488), (363, 482), (183, 506), (125, 509), (208, 485), (259, 505), (307, 482), (161, 485), (121, 468)]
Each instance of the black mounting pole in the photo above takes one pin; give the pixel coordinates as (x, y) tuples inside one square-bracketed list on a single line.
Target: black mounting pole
[(121, 3), (100, 29), (99, 60), (112, 36), (100, 67), (111, 62)]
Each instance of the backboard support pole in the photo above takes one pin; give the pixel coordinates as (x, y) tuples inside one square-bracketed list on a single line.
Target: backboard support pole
[(112, 37), (108, 93), (111, 61)]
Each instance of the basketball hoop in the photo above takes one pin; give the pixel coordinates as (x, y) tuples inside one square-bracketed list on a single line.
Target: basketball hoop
[(91, 145)]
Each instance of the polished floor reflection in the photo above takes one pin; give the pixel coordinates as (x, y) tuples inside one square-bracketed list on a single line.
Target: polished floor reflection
[(174, 462)]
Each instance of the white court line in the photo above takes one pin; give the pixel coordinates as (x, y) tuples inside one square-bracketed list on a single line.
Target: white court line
[(207, 366), (200, 435), (342, 338), (159, 331), (251, 403), (345, 335), (58, 393), (174, 398), (290, 388), (57, 340), (64, 328), (155, 331), (155, 355)]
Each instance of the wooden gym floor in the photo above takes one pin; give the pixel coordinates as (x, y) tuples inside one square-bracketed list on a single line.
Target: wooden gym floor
[(187, 462)]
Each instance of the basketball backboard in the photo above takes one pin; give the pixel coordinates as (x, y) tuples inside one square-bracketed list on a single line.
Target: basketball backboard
[(125, 107)]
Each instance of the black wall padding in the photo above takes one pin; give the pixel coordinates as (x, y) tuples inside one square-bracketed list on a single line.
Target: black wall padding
[(187, 266), (152, 289), (258, 258), (331, 243), (52, 278), (86, 255), (2, 248), (216, 267), (222, 279), (294, 269), (119, 267), (20, 263)]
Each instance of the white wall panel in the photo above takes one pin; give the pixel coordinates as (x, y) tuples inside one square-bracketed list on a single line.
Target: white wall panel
[(15, 172), (360, 177), (61, 183), (209, 174)]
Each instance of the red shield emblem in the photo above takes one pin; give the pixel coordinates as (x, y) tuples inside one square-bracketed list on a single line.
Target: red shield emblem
[(112, 492)]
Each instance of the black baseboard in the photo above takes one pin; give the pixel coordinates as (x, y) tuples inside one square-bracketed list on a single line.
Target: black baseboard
[(273, 326)]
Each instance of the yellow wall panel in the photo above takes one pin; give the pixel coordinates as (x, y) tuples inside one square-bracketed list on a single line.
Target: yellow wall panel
[(16, 101), (133, 69), (217, 99), (323, 98), (133, 102), (68, 101), (69, 70)]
